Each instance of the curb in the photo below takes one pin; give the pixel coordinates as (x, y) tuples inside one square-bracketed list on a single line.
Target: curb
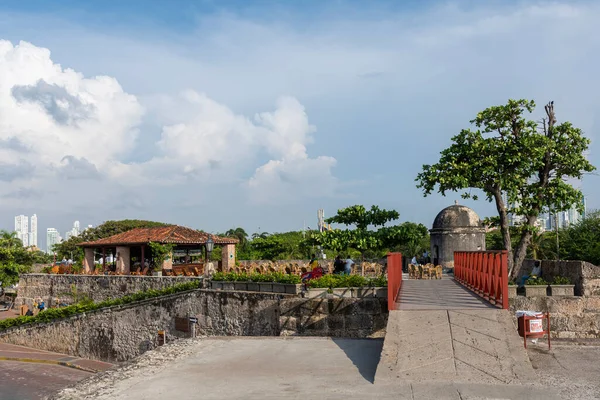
[(51, 362)]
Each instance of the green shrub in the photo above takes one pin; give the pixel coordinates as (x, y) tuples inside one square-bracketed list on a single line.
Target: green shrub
[(340, 281), (561, 280), (537, 281), (52, 314), (277, 277)]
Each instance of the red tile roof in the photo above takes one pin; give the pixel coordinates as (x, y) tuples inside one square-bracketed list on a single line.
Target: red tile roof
[(162, 234)]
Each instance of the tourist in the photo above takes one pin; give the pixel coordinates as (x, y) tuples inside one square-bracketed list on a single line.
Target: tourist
[(414, 261), (338, 265), (314, 263), (535, 272), (348, 266)]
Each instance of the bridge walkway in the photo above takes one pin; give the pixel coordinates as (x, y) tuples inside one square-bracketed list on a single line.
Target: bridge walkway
[(441, 332)]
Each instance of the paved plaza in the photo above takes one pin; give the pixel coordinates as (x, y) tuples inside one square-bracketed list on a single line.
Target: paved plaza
[(277, 368)]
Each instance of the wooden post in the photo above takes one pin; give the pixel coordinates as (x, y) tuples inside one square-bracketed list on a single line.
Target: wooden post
[(143, 263)]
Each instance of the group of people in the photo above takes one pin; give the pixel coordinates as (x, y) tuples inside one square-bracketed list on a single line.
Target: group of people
[(340, 266)]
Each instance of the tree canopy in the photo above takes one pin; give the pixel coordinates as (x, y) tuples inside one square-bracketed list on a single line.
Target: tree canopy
[(366, 232), (14, 258), (581, 241), (519, 164)]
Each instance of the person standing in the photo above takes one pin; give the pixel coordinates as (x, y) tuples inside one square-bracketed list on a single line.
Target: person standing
[(348, 266), (339, 265)]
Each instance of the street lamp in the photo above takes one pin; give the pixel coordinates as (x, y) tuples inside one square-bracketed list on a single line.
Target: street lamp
[(209, 247)]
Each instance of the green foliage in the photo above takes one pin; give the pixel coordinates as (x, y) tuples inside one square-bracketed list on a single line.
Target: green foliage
[(561, 280), (581, 241), (107, 229), (536, 281), (52, 314), (160, 253), (276, 246), (276, 277), (374, 242), (14, 258), (341, 281), (508, 155)]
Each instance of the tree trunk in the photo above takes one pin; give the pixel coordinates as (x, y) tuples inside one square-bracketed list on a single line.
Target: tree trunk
[(521, 250), (504, 228)]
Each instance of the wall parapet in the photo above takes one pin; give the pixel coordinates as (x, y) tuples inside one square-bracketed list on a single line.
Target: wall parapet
[(51, 287)]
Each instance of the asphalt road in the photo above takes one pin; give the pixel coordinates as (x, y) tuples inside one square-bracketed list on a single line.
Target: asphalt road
[(25, 380)]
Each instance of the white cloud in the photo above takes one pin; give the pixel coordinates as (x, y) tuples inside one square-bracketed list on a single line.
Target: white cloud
[(58, 125), (58, 117), (214, 144)]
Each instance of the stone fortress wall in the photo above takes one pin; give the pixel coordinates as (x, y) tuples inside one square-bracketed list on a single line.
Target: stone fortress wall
[(52, 288), (570, 316), (121, 333)]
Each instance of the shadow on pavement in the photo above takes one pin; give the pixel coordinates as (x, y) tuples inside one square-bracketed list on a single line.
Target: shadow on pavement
[(364, 354)]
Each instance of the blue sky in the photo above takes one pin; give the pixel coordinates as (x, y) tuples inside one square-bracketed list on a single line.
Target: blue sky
[(215, 114)]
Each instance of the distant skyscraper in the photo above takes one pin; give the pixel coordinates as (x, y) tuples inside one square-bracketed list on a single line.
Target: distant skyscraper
[(22, 228), (52, 238), (76, 228), (33, 233)]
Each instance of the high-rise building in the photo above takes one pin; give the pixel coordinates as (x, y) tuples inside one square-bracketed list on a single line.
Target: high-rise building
[(76, 228), (33, 232), (22, 228), (52, 238), (548, 221)]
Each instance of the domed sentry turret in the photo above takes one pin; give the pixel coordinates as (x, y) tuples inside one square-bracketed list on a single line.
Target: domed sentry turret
[(455, 228)]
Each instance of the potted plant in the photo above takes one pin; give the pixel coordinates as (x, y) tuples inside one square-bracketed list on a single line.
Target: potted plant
[(561, 286), (512, 289), (536, 287)]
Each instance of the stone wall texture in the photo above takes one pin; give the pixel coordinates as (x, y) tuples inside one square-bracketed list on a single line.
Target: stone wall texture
[(121, 333), (367, 267), (51, 287), (570, 317), (334, 317), (585, 276)]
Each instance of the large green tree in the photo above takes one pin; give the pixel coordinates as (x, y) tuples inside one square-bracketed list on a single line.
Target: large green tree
[(519, 164), (366, 231), (14, 258)]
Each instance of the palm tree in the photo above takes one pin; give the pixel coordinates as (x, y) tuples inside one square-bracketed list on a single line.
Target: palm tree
[(240, 234), (540, 247)]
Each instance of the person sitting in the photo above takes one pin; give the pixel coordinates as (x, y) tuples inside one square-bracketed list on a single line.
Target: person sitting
[(414, 261), (338, 265), (313, 263), (535, 272)]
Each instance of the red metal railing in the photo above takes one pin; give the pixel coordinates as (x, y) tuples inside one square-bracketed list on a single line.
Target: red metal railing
[(485, 273), (394, 276)]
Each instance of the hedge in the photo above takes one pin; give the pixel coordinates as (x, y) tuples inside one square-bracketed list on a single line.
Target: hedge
[(277, 277), (52, 314), (343, 281)]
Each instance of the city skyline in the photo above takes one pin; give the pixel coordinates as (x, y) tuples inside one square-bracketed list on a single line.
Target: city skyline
[(27, 231)]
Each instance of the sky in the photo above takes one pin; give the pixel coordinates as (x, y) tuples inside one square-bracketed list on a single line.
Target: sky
[(218, 114)]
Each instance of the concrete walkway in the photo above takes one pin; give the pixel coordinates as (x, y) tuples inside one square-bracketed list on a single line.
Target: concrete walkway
[(444, 336), (278, 368), (10, 352)]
